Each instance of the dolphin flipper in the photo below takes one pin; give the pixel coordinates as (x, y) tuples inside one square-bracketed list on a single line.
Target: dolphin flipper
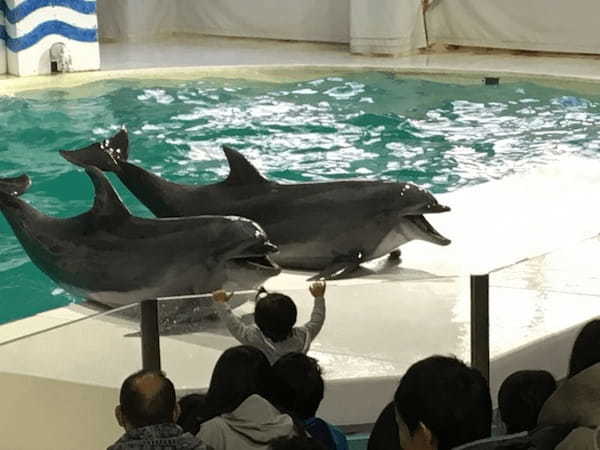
[(340, 267), (104, 155)]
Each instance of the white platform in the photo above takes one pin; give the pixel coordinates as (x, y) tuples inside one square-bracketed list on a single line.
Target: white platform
[(380, 323)]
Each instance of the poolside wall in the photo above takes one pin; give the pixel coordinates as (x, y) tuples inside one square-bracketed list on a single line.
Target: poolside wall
[(33, 26), (369, 26)]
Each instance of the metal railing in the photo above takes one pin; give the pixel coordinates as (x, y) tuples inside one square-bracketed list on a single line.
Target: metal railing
[(480, 325)]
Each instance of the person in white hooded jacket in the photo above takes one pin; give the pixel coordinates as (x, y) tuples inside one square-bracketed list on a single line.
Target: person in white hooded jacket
[(238, 402), (577, 399)]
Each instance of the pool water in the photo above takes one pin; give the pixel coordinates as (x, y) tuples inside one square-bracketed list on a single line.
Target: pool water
[(370, 125)]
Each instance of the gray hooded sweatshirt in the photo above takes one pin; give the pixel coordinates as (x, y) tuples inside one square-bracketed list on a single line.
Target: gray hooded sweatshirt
[(253, 425), (577, 402)]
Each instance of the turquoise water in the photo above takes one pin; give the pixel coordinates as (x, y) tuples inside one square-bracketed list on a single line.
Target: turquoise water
[(373, 125)]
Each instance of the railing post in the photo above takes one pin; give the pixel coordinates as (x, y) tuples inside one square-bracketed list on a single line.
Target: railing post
[(150, 335), (480, 324)]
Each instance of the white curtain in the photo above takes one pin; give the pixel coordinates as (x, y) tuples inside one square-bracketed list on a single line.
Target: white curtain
[(386, 26), (547, 25), (302, 20)]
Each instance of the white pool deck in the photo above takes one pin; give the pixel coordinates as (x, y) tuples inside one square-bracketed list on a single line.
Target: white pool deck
[(381, 322)]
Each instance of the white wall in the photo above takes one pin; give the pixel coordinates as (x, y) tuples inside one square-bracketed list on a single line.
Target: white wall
[(39, 413)]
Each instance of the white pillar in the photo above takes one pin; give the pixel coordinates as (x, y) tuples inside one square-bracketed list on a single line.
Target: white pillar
[(386, 27), (32, 27)]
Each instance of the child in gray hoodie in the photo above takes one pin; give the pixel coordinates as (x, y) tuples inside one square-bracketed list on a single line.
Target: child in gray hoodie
[(275, 316)]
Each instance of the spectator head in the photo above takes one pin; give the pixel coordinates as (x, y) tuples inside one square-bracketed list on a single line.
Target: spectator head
[(521, 397), (147, 398), (296, 443), (240, 372), (298, 385), (586, 349), (441, 403), (275, 315)]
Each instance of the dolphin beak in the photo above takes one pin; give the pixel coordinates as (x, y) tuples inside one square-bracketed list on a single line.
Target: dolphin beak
[(437, 208)]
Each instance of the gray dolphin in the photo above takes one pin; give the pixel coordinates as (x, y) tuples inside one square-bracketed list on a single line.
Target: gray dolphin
[(109, 256), (331, 227)]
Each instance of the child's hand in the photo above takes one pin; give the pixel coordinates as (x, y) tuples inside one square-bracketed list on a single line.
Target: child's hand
[(221, 296), (317, 289)]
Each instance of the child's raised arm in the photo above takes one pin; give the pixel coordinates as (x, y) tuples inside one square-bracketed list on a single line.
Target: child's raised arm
[(317, 317), (245, 334)]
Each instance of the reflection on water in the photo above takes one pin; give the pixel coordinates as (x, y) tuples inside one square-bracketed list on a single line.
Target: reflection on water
[(371, 125)]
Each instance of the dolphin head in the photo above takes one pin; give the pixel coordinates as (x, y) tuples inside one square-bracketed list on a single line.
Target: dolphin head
[(408, 203), (409, 199), (245, 254)]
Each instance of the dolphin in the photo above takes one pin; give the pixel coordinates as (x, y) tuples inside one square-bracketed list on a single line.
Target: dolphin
[(109, 256), (330, 227)]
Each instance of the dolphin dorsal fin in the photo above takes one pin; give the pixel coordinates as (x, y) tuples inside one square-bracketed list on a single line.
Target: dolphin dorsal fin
[(241, 171), (107, 202)]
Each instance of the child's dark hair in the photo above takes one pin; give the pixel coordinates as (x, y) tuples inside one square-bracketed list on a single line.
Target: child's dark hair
[(521, 397), (275, 315), (298, 385)]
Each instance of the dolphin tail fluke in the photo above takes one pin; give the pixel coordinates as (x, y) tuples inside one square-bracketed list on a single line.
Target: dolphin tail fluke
[(104, 155), (15, 186)]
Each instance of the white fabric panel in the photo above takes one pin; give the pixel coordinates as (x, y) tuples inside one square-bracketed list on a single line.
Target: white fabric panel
[(550, 25), (386, 26), (135, 19), (304, 20)]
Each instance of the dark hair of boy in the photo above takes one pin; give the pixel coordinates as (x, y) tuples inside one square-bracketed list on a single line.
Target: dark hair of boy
[(449, 398), (275, 315), (298, 385), (586, 349), (239, 372), (521, 397), (142, 409)]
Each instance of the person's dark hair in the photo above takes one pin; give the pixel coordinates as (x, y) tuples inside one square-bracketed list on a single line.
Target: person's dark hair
[(384, 434), (451, 399), (586, 349), (193, 412), (298, 385), (240, 372), (521, 397), (143, 405), (296, 443), (275, 315)]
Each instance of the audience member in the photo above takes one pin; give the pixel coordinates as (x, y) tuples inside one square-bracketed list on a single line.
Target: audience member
[(148, 411), (521, 397), (238, 402), (586, 348), (576, 401), (384, 435), (193, 412), (298, 389), (275, 317), (297, 443), (441, 403)]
